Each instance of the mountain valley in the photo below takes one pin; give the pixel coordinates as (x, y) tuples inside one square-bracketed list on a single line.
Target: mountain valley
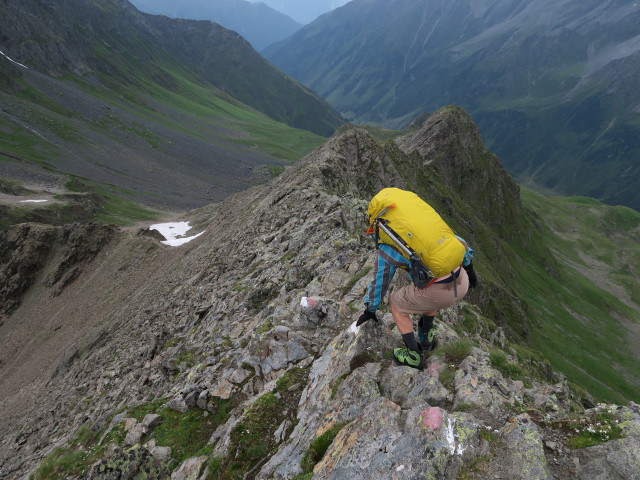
[(552, 85)]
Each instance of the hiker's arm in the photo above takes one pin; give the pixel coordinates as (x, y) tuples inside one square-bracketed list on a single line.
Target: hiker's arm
[(468, 252), (388, 260), (467, 263)]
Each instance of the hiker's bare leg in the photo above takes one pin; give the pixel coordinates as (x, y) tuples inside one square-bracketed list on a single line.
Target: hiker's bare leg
[(403, 322)]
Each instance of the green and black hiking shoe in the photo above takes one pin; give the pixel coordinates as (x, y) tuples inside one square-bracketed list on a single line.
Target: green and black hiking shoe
[(410, 358), (427, 339)]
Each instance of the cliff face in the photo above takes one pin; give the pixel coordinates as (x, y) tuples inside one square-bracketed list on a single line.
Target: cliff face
[(236, 356)]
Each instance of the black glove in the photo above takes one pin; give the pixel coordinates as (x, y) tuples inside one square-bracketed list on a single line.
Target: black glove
[(367, 315), (473, 279)]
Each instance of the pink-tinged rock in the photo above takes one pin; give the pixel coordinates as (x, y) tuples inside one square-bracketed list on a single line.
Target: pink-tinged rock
[(432, 418), (308, 302), (433, 370)]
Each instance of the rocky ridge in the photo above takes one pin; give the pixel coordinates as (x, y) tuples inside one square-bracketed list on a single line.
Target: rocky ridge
[(248, 331)]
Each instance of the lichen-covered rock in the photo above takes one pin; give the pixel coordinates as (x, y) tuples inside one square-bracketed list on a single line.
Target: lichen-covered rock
[(380, 443), (524, 458), (190, 469), (610, 461), (480, 385), (135, 433), (405, 387), (152, 420)]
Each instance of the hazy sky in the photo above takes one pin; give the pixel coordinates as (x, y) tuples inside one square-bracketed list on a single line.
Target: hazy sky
[(303, 11)]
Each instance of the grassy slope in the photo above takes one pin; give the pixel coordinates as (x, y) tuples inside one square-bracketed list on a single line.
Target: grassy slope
[(41, 124), (206, 104), (585, 320)]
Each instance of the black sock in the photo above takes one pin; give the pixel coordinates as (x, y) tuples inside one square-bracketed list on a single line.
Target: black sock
[(426, 322), (409, 340)]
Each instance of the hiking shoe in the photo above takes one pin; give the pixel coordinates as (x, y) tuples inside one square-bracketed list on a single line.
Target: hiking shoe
[(405, 356), (428, 339)]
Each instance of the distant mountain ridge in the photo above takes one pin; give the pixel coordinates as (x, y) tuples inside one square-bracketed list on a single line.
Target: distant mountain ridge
[(304, 11), (552, 85), (260, 24)]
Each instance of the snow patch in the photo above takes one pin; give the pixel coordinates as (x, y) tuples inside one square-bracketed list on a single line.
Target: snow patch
[(174, 233), (32, 201)]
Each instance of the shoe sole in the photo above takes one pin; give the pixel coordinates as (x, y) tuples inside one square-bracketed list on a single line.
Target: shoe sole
[(400, 364)]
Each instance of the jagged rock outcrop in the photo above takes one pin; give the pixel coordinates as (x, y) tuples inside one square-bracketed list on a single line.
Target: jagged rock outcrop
[(243, 341), (56, 254), (450, 146)]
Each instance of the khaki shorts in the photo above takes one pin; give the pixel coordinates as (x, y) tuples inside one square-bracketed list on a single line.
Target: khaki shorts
[(409, 299)]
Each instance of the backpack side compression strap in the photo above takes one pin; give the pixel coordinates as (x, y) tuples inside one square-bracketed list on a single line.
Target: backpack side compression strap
[(422, 277)]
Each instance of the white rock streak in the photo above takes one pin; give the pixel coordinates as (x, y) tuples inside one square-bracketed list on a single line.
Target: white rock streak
[(12, 60), (353, 328), (451, 440)]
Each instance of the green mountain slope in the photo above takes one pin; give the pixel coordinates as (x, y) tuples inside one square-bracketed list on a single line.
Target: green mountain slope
[(116, 41), (551, 84), (110, 95), (161, 147), (586, 319)]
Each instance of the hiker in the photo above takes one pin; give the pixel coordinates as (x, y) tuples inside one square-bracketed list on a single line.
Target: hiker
[(407, 221)]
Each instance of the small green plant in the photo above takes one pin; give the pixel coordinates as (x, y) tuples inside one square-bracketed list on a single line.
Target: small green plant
[(188, 358), (509, 369), (447, 377), (335, 384), (303, 476), (286, 257), (292, 377), (469, 323), (239, 287), (594, 430), (318, 447), (477, 465), (457, 350), (252, 440), (362, 359), (265, 327), (73, 459), (464, 407), (488, 435), (355, 278)]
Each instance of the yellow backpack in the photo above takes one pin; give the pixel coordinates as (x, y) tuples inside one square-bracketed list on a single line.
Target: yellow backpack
[(401, 218)]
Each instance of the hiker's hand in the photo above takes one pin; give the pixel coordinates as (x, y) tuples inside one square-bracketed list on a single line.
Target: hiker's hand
[(367, 315), (473, 279)]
